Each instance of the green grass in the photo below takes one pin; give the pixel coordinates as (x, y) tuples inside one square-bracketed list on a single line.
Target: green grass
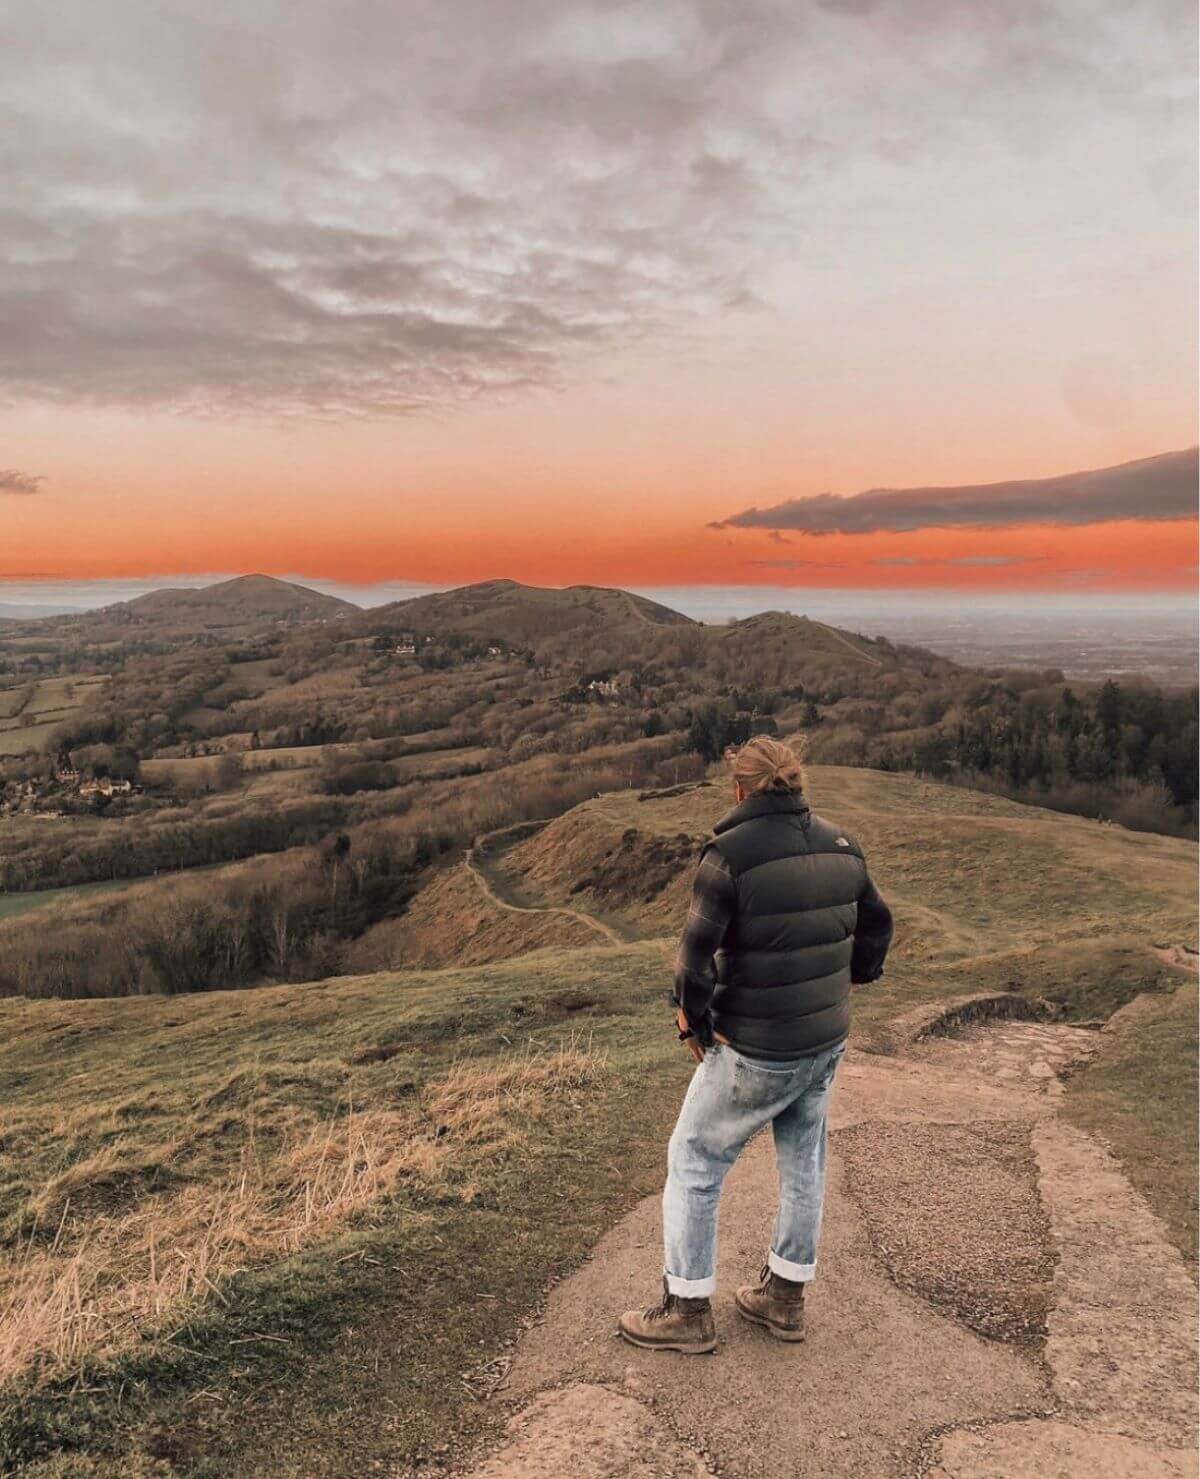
[(29, 736), (300, 1372), (13, 904)]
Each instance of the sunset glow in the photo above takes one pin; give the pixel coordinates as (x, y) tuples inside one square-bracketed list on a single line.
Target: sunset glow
[(547, 297)]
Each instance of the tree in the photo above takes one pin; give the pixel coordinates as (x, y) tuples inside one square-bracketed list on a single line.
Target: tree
[(711, 732), (230, 770), (1108, 708)]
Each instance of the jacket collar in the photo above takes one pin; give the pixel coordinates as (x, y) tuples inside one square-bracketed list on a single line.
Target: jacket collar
[(766, 803)]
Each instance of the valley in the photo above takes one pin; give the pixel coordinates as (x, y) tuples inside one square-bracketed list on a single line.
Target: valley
[(320, 764)]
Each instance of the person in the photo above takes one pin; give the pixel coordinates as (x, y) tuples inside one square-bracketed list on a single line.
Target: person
[(784, 918)]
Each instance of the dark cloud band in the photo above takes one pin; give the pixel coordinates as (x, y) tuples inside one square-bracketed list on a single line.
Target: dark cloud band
[(1152, 488)]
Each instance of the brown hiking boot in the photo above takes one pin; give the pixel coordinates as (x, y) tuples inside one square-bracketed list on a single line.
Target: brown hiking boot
[(774, 1302), (677, 1324)]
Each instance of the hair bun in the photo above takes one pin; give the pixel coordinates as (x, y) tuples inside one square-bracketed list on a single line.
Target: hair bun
[(764, 764)]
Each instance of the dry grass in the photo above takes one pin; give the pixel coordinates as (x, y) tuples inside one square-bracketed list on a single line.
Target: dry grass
[(102, 1277)]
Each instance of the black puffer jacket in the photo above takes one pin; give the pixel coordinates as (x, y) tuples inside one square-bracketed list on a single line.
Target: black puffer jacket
[(808, 923)]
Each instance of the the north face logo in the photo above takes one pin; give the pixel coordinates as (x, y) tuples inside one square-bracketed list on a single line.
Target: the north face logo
[(841, 842)]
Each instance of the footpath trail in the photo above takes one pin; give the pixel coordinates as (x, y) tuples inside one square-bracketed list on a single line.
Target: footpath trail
[(480, 862), (867, 657), (994, 1301)]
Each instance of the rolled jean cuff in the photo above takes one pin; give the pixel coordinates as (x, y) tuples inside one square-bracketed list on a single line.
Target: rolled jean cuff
[(691, 1288), (797, 1273)]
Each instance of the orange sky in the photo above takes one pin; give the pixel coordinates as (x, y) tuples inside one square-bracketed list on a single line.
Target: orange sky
[(593, 486), (1118, 556), (545, 291)]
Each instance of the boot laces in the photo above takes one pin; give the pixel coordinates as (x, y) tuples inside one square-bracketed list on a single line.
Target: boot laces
[(663, 1308)]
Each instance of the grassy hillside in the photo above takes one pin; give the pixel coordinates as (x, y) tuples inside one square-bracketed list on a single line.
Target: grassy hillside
[(989, 893), (235, 608), (205, 1201), (286, 1230), (240, 742), (1140, 1095)]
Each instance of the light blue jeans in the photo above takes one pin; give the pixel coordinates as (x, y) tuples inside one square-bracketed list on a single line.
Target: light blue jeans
[(729, 1099)]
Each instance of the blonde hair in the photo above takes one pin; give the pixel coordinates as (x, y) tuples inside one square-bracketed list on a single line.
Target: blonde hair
[(765, 764)]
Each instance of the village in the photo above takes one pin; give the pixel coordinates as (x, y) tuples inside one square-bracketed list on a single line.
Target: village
[(65, 792), (406, 644)]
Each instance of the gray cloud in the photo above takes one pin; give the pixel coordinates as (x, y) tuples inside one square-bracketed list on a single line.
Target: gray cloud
[(20, 483), (1152, 488), (320, 209), (374, 209)]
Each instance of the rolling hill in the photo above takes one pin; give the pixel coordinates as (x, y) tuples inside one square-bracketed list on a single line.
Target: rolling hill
[(238, 609), (245, 601), (522, 613)]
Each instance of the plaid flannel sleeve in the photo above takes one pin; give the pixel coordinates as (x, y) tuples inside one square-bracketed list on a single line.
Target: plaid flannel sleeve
[(714, 899)]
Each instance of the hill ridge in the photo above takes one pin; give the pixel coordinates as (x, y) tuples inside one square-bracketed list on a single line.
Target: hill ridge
[(268, 593)]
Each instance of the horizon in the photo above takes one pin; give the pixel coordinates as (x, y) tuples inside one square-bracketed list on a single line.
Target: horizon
[(661, 296), (729, 601), (1145, 635)]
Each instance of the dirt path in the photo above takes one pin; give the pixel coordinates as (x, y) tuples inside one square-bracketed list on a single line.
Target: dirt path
[(495, 890), (1180, 955), (994, 1301), (846, 642), (637, 613)]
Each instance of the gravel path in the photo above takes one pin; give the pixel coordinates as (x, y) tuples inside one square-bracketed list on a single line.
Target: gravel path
[(994, 1301)]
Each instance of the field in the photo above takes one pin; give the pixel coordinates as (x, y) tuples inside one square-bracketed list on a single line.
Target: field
[(11, 905), (194, 771), (286, 1230), (29, 712)]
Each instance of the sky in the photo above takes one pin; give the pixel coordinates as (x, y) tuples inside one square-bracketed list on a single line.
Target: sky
[(816, 294)]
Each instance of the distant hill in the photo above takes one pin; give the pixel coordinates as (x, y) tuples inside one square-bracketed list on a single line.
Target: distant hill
[(522, 613), (238, 608), (508, 610), (800, 636), (247, 598)]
